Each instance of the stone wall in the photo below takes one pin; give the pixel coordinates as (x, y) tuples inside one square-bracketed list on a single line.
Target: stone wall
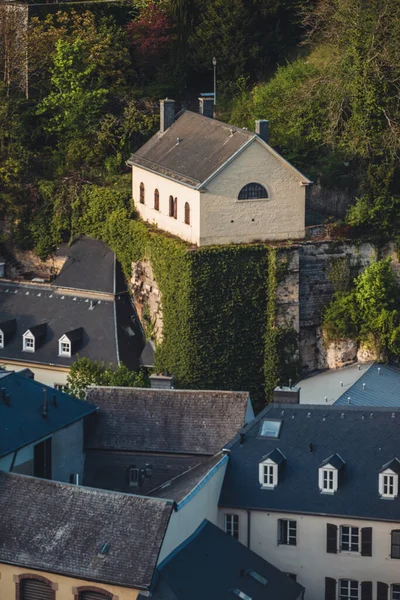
[(147, 298)]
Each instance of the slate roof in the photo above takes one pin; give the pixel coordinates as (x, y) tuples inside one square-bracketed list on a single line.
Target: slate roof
[(382, 388), (64, 528), (184, 485), (365, 439), (90, 266), (22, 422), (34, 305), (174, 421), (211, 564), (204, 146)]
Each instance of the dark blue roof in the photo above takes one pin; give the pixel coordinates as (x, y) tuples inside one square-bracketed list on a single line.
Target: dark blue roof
[(379, 386), (211, 564), (21, 419), (365, 439)]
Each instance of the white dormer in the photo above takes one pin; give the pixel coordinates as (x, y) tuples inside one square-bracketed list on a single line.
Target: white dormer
[(1, 339), (64, 346), (328, 474), (268, 469), (389, 479), (28, 342)]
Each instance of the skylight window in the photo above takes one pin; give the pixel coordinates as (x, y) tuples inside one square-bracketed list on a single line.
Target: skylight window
[(257, 577), (270, 429), (241, 595)]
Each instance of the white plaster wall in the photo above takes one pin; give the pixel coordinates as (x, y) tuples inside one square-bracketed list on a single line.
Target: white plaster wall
[(48, 376), (225, 219), (184, 522), (309, 559), (167, 188)]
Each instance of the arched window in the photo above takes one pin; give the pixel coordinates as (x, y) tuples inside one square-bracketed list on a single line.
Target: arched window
[(156, 200), (175, 208), (252, 191), (31, 587), (92, 593), (187, 213), (142, 193), (171, 206)]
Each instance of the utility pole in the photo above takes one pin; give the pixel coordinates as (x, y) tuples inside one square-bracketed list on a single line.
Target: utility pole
[(214, 62)]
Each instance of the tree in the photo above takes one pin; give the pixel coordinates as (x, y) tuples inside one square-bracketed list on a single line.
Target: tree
[(13, 47), (150, 35), (85, 372)]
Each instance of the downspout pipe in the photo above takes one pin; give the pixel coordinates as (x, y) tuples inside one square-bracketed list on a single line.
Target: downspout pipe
[(248, 528)]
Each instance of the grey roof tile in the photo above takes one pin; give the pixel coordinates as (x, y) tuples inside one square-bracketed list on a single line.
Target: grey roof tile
[(211, 564), (22, 423), (150, 420), (63, 529), (379, 386), (365, 438)]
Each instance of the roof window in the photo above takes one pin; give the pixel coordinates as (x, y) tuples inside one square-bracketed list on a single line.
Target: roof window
[(70, 342), (257, 577), (28, 342), (328, 474), (64, 346), (241, 594), (270, 428), (268, 469)]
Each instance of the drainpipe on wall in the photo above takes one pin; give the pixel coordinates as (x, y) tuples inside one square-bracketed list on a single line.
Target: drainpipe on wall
[(248, 528)]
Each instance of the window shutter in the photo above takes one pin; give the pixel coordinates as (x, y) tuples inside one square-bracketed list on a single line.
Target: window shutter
[(382, 591), (366, 590), (366, 541), (331, 538), (330, 588), (33, 589)]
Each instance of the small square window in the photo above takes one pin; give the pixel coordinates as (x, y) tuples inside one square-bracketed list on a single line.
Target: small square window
[(29, 344), (348, 589), (270, 429), (133, 477), (349, 539), (287, 532)]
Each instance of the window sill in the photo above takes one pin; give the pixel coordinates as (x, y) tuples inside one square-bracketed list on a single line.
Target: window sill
[(267, 487)]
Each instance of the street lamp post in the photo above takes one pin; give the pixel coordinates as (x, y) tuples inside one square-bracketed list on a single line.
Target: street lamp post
[(214, 62)]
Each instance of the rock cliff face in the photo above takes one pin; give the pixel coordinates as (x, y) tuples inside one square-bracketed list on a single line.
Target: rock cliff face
[(301, 297)]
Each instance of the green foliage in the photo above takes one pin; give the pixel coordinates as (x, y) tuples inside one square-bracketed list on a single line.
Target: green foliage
[(339, 274), (368, 312), (85, 372)]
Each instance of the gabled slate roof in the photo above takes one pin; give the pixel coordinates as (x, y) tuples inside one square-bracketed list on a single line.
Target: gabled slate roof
[(193, 148), (378, 386), (335, 461), (33, 306), (393, 465), (64, 528), (210, 564), (22, 423), (176, 421), (90, 266), (366, 439)]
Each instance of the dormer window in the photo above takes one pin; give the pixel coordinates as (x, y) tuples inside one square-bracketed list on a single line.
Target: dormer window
[(64, 347), (328, 474), (1, 339), (389, 479), (28, 342), (7, 331), (269, 469)]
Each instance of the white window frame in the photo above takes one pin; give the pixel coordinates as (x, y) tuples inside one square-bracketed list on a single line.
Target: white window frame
[(353, 531), (291, 532), (388, 479), (397, 592), (64, 341), (231, 525), (28, 337), (268, 469), (1, 339), (348, 595), (328, 479)]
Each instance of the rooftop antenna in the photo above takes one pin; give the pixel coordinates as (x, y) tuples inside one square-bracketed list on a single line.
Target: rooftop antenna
[(348, 400), (341, 384), (290, 384), (359, 367), (214, 62), (364, 386), (326, 398), (379, 370)]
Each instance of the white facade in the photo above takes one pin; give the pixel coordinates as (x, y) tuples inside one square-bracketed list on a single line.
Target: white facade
[(217, 216), (309, 559), (49, 375)]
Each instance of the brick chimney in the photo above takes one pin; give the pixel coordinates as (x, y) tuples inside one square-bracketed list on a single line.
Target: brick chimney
[(262, 129), (161, 382), (167, 114), (206, 107)]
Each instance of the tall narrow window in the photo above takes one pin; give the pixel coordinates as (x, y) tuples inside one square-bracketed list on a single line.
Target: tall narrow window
[(348, 589), (395, 545), (349, 537), (175, 208), (287, 532), (156, 200), (171, 206), (232, 525), (269, 473), (395, 591), (1, 339), (142, 193), (35, 588), (187, 213)]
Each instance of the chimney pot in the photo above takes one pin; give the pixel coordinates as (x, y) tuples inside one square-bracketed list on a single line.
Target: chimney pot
[(262, 129), (167, 114), (206, 107)]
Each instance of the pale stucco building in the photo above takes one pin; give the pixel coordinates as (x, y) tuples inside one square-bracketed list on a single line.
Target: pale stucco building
[(211, 183)]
